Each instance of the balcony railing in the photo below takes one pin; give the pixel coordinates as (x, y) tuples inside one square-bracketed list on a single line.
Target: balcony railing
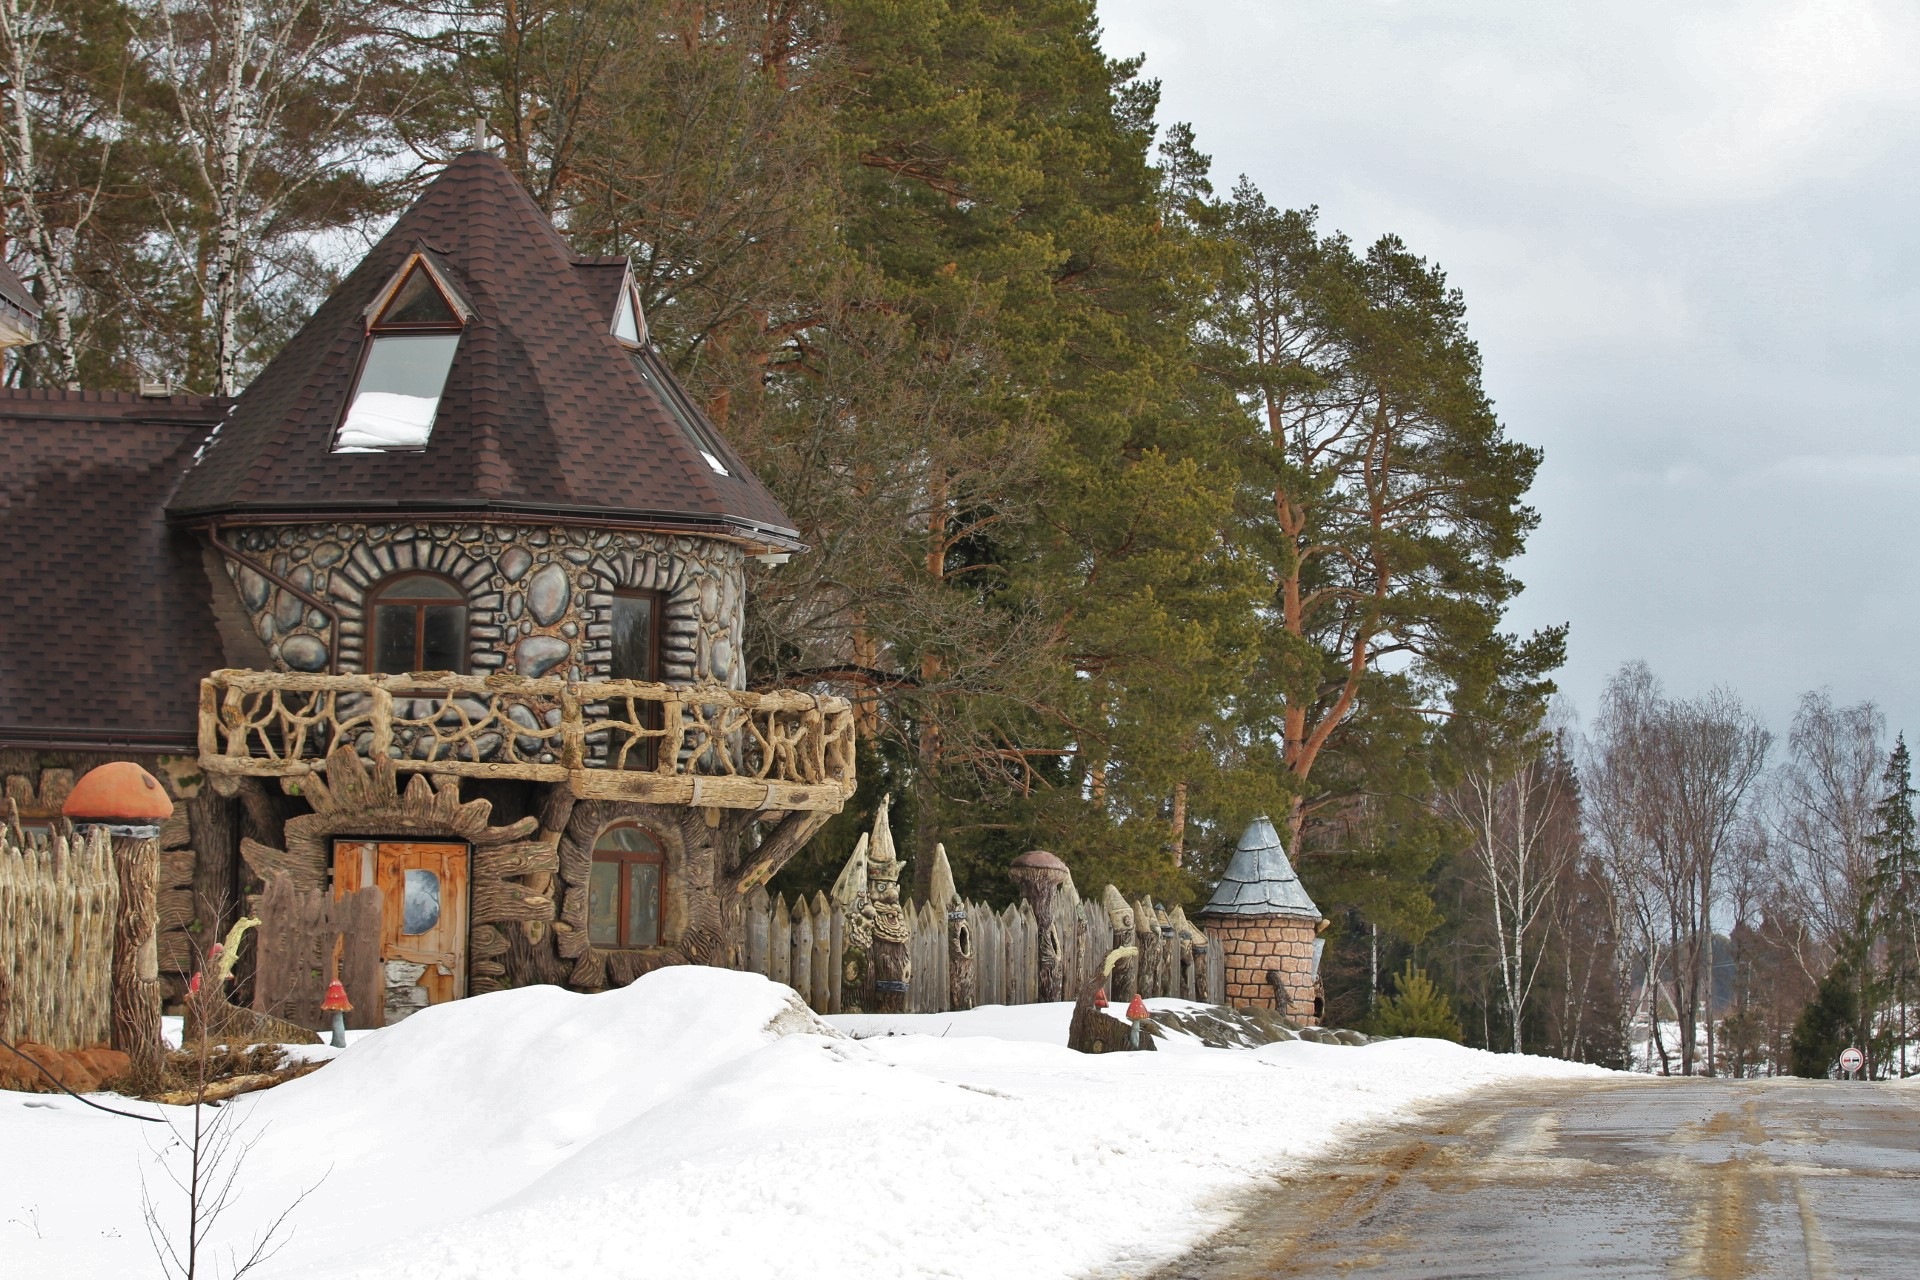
[(609, 739)]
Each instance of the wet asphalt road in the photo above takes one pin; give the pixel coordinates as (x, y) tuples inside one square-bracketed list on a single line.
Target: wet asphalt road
[(1653, 1178)]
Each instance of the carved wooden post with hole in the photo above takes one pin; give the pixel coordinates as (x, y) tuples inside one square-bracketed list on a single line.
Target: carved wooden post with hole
[(1040, 875), (945, 898), (131, 805)]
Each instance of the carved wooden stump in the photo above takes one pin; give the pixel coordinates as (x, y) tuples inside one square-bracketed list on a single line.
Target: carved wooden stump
[(136, 959), (1093, 1030), (1040, 875)]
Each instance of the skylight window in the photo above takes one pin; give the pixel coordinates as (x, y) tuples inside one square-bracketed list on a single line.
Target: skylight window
[(398, 393), (413, 333), (626, 319), (691, 424)]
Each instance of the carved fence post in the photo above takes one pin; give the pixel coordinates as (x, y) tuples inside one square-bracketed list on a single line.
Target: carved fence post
[(856, 908), (1040, 875), (892, 962), (1126, 969), (131, 804), (946, 902)]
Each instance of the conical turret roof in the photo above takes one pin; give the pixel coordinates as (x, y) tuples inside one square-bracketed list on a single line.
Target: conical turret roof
[(1260, 881), (544, 411)]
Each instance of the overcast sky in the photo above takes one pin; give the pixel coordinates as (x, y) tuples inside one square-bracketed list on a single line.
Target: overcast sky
[(1687, 239)]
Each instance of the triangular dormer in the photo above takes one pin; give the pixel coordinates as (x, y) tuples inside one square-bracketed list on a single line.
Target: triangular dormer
[(629, 320), (419, 295), (413, 335)]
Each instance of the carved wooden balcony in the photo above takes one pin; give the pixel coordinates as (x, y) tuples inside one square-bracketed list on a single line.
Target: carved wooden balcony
[(703, 745)]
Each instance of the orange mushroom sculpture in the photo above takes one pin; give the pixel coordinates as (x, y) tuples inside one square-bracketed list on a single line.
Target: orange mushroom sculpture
[(121, 796)]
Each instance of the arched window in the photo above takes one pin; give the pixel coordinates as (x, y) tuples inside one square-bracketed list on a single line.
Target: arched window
[(626, 893), (419, 624)]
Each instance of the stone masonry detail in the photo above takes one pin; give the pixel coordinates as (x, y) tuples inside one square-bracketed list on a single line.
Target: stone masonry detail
[(539, 597), (1258, 947)]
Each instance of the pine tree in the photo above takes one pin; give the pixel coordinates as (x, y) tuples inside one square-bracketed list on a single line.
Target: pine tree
[(1893, 926), (1416, 1008), (1829, 1024)]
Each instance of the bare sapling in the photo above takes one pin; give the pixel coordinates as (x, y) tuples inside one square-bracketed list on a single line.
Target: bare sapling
[(213, 1143)]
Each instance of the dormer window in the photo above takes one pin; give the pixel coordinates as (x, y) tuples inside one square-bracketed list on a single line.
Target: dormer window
[(413, 332)]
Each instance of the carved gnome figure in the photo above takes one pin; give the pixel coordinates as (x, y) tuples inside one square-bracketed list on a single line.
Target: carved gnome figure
[(892, 962), (850, 892)]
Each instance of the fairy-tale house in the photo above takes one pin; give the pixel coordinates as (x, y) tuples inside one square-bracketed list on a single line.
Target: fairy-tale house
[(450, 601), (1267, 928)]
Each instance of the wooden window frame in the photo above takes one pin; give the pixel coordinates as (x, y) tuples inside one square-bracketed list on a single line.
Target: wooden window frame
[(657, 636), (379, 596), (382, 301), (647, 755), (622, 902)]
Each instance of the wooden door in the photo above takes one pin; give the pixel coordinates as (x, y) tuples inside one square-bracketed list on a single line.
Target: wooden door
[(423, 917)]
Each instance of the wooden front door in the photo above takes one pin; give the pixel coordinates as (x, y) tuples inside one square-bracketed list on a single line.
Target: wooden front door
[(423, 915)]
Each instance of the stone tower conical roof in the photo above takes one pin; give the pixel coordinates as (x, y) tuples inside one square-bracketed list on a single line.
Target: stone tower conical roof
[(544, 411), (1260, 881)]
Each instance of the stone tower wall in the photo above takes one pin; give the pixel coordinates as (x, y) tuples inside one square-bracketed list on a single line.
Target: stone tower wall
[(539, 598), (1253, 947)]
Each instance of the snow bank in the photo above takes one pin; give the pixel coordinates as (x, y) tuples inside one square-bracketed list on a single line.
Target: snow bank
[(1037, 1023), (703, 1123)]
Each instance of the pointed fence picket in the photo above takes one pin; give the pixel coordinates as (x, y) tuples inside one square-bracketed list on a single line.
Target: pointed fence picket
[(59, 898), (804, 946)]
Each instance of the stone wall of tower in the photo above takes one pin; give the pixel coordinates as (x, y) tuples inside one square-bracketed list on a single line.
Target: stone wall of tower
[(1259, 949), (539, 597)]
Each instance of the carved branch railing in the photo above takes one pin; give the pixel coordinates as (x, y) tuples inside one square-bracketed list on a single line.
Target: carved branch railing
[(610, 739)]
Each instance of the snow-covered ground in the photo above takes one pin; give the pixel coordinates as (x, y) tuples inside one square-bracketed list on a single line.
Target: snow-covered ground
[(703, 1123)]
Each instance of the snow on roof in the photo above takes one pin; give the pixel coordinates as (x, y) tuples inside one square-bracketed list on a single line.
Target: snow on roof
[(1260, 881)]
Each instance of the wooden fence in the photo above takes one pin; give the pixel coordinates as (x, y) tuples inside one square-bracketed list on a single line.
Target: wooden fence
[(58, 899), (803, 945)]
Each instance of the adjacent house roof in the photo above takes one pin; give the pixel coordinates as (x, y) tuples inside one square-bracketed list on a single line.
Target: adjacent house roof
[(106, 629), (18, 310), (543, 412), (1260, 881)]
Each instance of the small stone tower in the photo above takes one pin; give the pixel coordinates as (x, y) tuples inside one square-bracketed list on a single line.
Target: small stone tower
[(1265, 925)]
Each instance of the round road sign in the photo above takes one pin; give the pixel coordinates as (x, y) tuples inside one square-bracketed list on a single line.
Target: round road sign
[(1851, 1060)]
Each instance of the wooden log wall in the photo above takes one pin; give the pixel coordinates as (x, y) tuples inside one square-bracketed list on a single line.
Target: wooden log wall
[(59, 898), (307, 938), (802, 944)]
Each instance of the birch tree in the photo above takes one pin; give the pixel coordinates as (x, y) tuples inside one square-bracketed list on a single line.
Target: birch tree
[(54, 108), (282, 122), (1821, 813), (1525, 835)]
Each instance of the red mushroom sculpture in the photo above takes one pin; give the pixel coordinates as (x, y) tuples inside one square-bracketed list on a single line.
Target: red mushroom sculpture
[(1136, 1014), (339, 1006)]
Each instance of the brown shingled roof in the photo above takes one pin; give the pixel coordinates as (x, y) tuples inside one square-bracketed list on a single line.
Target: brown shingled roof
[(544, 412), (107, 628)]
